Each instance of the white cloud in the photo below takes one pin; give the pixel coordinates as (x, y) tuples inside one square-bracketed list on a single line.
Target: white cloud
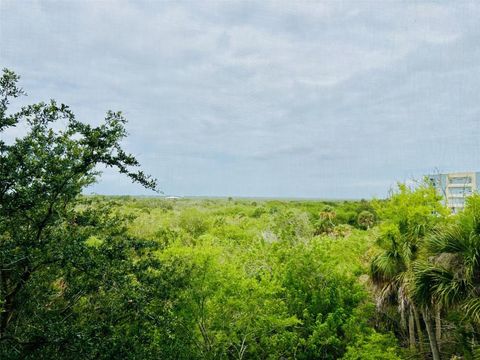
[(256, 97)]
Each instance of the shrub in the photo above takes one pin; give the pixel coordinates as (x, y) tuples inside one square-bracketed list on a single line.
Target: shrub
[(193, 221), (292, 226)]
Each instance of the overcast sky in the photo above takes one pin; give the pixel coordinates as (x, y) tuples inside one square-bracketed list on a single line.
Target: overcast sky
[(294, 99)]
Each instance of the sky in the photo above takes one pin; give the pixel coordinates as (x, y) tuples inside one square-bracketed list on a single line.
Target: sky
[(326, 99)]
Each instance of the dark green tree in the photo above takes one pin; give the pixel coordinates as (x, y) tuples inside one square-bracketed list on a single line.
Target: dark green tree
[(43, 231)]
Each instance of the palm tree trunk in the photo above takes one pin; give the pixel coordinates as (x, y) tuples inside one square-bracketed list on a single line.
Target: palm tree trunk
[(438, 326), (411, 330), (431, 334), (421, 340)]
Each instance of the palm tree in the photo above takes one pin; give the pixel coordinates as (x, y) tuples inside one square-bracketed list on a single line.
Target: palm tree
[(390, 273), (421, 286), (410, 213), (366, 219), (450, 276), (326, 221)]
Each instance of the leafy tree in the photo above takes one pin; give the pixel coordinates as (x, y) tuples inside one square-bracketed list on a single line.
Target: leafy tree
[(375, 346), (42, 175), (324, 301), (193, 222), (229, 314), (292, 226)]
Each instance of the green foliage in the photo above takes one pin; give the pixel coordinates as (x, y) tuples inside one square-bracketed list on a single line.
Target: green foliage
[(449, 275), (366, 220), (409, 216), (293, 296), (373, 347), (428, 269), (292, 226), (43, 230), (415, 210), (326, 220), (193, 222), (322, 301)]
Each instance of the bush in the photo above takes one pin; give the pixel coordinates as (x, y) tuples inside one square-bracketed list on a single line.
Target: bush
[(292, 226), (193, 221), (341, 230), (259, 211), (373, 347)]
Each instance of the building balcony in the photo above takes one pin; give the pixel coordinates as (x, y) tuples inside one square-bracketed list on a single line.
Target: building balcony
[(460, 185)]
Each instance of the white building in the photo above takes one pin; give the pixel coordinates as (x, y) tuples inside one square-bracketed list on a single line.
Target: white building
[(455, 187)]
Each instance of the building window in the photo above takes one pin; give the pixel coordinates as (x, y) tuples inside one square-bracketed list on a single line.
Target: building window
[(460, 191), (460, 180)]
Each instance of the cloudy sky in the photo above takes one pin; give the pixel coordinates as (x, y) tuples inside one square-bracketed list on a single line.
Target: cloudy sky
[(329, 99)]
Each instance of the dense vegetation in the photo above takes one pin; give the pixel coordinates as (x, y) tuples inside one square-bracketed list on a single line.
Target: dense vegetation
[(85, 277), (427, 275), (204, 279)]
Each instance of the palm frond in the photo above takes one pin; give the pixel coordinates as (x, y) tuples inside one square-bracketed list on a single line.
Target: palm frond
[(435, 284), (386, 266), (472, 309), (452, 239)]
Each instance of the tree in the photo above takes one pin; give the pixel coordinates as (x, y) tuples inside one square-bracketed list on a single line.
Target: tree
[(365, 220), (42, 175), (291, 226), (193, 222), (373, 347), (409, 216), (326, 221), (449, 276)]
